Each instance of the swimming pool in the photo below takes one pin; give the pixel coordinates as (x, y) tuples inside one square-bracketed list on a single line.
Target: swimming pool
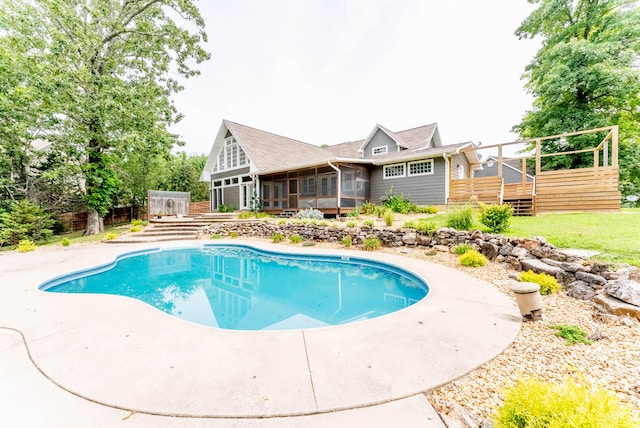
[(239, 287)]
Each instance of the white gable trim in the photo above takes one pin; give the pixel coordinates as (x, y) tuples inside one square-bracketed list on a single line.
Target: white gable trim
[(373, 132)]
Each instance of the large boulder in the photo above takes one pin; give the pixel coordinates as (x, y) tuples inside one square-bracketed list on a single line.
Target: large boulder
[(539, 266), (595, 280), (616, 306), (489, 250), (580, 290), (626, 290)]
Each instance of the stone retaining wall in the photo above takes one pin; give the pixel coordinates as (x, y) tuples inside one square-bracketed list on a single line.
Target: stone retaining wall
[(614, 292)]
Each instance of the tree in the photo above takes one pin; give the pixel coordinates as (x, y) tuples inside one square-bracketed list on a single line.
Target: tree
[(183, 175), (584, 76), (102, 72)]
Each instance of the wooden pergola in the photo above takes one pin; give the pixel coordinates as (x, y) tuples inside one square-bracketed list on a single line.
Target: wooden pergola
[(579, 189)]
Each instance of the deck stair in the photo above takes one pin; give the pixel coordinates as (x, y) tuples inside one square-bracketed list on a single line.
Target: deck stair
[(521, 206), (287, 213)]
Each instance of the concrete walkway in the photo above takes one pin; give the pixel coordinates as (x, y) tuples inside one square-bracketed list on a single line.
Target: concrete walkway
[(96, 360)]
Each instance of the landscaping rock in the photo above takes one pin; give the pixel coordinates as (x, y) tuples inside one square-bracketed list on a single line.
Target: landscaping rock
[(615, 306), (580, 290), (539, 266), (626, 290), (410, 238), (529, 244), (567, 266), (591, 278), (489, 250)]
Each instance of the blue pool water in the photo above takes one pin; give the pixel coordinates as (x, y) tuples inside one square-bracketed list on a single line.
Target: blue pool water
[(241, 288)]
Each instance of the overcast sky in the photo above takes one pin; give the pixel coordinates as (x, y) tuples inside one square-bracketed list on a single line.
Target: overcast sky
[(327, 71)]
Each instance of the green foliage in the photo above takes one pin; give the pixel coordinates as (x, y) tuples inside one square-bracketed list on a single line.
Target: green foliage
[(397, 203), (224, 208), (138, 222), (379, 211), (24, 221), (135, 229), (460, 218), (181, 173), (323, 223), (460, 249), (548, 284), (245, 215), (277, 237), (425, 227), (584, 76), (295, 238), (496, 217), (425, 210), (65, 242), (216, 236), (110, 236), (368, 208), (368, 223), (351, 223), (533, 403), (282, 221), (572, 334), (371, 244), (233, 234), (388, 217), (26, 245), (472, 258), (311, 214), (347, 241), (308, 244), (354, 213)]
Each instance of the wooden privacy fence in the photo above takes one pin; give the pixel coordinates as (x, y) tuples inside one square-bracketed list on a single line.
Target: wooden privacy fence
[(72, 222), (483, 189), (199, 207)]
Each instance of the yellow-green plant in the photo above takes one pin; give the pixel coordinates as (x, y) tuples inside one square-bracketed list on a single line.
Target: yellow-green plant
[(277, 237), (351, 223), (216, 236), (233, 234), (371, 244), (295, 238), (138, 222), (65, 242), (460, 249), (347, 241), (110, 236), (26, 245), (472, 258), (388, 217), (282, 221), (548, 284), (135, 228), (571, 333), (534, 403), (368, 223)]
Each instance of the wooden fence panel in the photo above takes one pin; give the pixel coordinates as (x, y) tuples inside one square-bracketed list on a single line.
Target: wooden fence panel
[(201, 207), (584, 189), (484, 189)]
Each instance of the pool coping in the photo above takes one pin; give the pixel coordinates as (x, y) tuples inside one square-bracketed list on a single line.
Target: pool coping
[(123, 361)]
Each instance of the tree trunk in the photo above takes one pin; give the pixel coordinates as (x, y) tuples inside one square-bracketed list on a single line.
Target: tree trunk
[(95, 223)]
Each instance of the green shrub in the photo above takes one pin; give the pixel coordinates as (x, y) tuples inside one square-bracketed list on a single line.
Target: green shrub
[(233, 234), (351, 223), (379, 211), (138, 222), (323, 223), (310, 213), (369, 223), (571, 333), (347, 241), (409, 224), (216, 236), (245, 215), (24, 221), (425, 209), (224, 208), (397, 203), (262, 214), (534, 403), (277, 237), (496, 217), (460, 249), (472, 258), (368, 208), (65, 242), (425, 227), (371, 244), (548, 284), (26, 245), (282, 221), (460, 218), (135, 229), (295, 238), (354, 213), (431, 252), (110, 236), (388, 217)]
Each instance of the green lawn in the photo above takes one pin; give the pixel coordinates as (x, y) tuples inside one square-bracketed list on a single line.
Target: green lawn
[(615, 235), (74, 237)]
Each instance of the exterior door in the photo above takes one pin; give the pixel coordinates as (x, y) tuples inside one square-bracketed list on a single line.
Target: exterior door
[(216, 198), (245, 196)]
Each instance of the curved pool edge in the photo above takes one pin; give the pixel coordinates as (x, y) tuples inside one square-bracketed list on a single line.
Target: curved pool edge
[(145, 361)]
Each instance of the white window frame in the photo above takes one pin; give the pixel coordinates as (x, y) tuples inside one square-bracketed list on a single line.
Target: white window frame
[(429, 161), (380, 150), (231, 156), (388, 167)]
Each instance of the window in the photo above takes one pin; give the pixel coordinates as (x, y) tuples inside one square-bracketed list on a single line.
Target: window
[(231, 156), (380, 150), (327, 185), (421, 167), (393, 171), (308, 186), (460, 169)]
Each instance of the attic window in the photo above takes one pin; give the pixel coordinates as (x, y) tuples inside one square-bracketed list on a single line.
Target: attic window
[(380, 150), (232, 156)]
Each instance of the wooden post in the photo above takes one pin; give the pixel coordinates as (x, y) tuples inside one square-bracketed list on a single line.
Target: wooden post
[(499, 161), (605, 157), (614, 146), (538, 150), (596, 158), (524, 175)]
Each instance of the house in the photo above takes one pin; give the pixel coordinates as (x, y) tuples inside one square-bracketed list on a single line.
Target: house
[(246, 164), (511, 170)]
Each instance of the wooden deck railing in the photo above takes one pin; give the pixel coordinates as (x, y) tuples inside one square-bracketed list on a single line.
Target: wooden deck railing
[(484, 189)]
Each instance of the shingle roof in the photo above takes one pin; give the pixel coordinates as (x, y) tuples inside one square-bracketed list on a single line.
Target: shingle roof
[(348, 149), (271, 152), (417, 153)]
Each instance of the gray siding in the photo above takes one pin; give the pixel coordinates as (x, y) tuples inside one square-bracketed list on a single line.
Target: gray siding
[(509, 174), (459, 159), (231, 196), (380, 139), (421, 189), (230, 173)]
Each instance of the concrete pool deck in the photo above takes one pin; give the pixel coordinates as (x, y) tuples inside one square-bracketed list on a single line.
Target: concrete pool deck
[(102, 360)]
